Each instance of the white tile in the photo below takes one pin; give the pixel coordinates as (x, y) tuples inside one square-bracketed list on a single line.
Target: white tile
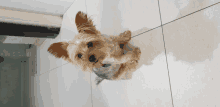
[(46, 61), (173, 9), (34, 83), (65, 86), (68, 29), (115, 16), (74, 86), (192, 45), (37, 97), (49, 89), (136, 14), (149, 85)]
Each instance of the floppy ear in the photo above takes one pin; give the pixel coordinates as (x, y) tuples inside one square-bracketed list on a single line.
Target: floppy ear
[(84, 24), (59, 50)]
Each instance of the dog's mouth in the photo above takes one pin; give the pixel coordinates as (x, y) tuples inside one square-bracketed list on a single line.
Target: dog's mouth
[(101, 76)]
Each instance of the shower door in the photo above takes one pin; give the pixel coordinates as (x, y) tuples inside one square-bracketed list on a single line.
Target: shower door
[(12, 82)]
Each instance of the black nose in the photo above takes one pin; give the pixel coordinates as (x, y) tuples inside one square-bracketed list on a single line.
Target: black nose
[(90, 44), (92, 58)]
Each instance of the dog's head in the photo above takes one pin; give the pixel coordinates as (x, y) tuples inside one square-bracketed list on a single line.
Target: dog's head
[(107, 56)]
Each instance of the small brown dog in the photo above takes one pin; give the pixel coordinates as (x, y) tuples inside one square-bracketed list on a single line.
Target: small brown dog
[(109, 57)]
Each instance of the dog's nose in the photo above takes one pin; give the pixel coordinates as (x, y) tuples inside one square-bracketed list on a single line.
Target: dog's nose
[(92, 58), (106, 65)]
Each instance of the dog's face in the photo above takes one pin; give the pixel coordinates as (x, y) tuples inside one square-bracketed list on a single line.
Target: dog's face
[(107, 56)]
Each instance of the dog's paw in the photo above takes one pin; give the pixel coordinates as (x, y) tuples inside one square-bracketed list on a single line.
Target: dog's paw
[(136, 54)]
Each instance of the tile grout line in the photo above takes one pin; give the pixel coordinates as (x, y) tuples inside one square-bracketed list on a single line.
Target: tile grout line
[(175, 19), (165, 54), (191, 13), (145, 31), (52, 69)]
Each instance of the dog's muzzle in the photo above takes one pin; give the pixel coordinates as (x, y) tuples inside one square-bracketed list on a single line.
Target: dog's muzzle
[(107, 71)]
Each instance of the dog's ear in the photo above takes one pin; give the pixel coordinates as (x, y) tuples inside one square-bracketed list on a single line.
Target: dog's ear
[(125, 36), (59, 50), (84, 24)]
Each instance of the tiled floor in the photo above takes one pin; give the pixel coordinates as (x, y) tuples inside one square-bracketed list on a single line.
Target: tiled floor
[(180, 60), (191, 45)]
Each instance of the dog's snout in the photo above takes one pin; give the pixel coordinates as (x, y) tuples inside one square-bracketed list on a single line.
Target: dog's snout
[(106, 65), (92, 58)]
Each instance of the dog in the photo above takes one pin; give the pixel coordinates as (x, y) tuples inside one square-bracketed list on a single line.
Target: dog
[(110, 57)]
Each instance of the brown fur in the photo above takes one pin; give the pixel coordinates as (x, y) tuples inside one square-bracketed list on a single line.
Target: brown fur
[(92, 50)]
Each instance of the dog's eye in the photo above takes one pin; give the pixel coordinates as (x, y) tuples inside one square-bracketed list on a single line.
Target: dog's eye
[(121, 46), (80, 55), (90, 44)]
